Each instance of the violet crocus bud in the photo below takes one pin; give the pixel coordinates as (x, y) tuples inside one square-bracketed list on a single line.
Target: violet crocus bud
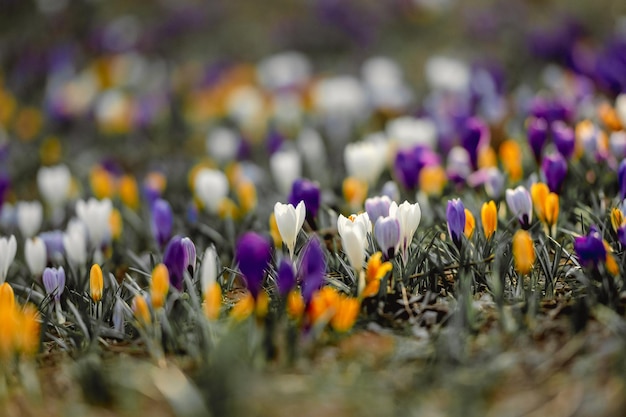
[(55, 246), (312, 268), (175, 259), (286, 277), (391, 190), (474, 136), (521, 205), (554, 168), (190, 250), (377, 207), (309, 192), (455, 214), (54, 282), (537, 131), (621, 179), (564, 138), (590, 249), (161, 221), (254, 253), (387, 233)]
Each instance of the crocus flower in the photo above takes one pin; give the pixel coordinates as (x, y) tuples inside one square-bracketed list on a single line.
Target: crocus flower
[(521, 205), (95, 216), (470, 224), (554, 167), (523, 252), (286, 167), (161, 221), (190, 250), (621, 179), (96, 283), (285, 278), (29, 217), (537, 132), (353, 239), (35, 254), (54, 244), (254, 253), (346, 312), (409, 216), (455, 213), (590, 249), (75, 243), (54, 283), (175, 259), (309, 192), (8, 248), (489, 218), (289, 220), (539, 192), (364, 161), (409, 162), (475, 135), (377, 207), (210, 186), (617, 218), (54, 184), (391, 190), (159, 286), (312, 268), (210, 287), (563, 137), (376, 270), (387, 233), (141, 310)]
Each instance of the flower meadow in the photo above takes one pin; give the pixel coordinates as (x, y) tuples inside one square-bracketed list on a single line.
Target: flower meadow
[(191, 236)]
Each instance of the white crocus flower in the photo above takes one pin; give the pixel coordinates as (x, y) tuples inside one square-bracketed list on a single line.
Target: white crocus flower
[(408, 131), (211, 187), (75, 243), (342, 96), (409, 216), (95, 216), (208, 271), (354, 239), (286, 167), (54, 184), (365, 160), (447, 74), (29, 217), (8, 247), (284, 70), (289, 220), (36, 255), (222, 144)]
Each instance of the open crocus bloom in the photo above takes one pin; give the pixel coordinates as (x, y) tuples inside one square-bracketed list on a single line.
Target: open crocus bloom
[(289, 220)]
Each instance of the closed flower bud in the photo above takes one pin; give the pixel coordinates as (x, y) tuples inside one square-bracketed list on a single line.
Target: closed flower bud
[(617, 218), (210, 188), (212, 301), (129, 192), (29, 217), (161, 221), (554, 168), (551, 209), (455, 214), (159, 286), (521, 205), (286, 167), (253, 253), (308, 192), (141, 310), (353, 240), (96, 283), (35, 254), (539, 192), (523, 252), (346, 312), (8, 247), (590, 249), (489, 218), (387, 233)]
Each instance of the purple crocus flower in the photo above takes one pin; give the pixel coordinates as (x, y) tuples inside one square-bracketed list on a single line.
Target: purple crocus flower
[(409, 163), (309, 192), (312, 268), (387, 233), (621, 179), (377, 207), (274, 141), (563, 137), (54, 282), (190, 250), (391, 190), (521, 205), (537, 131), (621, 235), (175, 259), (254, 253), (474, 135), (554, 167), (5, 184), (286, 278), (54, 244), (590, 249), (161, 221), (455, 213)]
